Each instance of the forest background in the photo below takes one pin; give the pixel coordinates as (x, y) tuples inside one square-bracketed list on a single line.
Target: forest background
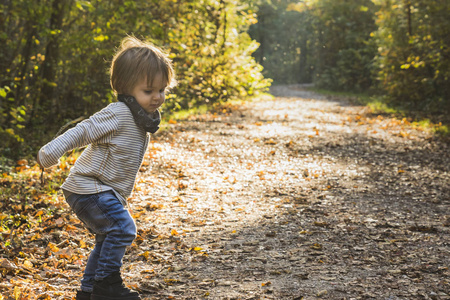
[(56, 53)]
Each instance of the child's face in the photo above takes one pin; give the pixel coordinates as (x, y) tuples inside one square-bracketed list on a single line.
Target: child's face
[(150, 97)]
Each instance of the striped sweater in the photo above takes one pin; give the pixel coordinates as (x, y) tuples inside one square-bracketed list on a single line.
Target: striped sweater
[(116, 148)]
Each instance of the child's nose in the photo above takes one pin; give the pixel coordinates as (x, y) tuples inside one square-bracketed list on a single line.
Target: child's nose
[(157, 96)]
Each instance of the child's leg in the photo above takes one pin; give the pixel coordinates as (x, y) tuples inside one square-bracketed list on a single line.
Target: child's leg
[(119, 235), (104, 215), (87, 283)]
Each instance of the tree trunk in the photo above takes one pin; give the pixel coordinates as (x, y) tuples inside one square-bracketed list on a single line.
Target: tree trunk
[(51, 58), (303, 60), (408, 12)]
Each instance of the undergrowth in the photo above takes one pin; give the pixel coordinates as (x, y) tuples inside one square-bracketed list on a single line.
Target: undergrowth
[(436, 121)]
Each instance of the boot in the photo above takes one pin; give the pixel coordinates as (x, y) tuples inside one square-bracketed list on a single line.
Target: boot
[(83, 295), (112, 288)]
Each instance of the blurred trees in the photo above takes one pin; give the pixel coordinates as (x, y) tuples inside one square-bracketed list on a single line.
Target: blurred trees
[(286, 41), (56, 54), (398, 48), (414, 52)]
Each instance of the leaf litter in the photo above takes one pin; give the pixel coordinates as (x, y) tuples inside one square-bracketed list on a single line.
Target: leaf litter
[(296, 197)]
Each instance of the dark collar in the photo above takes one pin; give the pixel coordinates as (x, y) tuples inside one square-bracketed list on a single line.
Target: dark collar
[(149, 122)]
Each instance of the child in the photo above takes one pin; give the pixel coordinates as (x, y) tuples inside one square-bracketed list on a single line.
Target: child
[(103, 176)]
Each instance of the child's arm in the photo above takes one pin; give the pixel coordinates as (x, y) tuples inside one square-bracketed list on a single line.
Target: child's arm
[(98, 128)]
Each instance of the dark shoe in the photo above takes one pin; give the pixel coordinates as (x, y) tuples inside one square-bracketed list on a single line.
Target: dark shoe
[(112, 288), (83, 295)]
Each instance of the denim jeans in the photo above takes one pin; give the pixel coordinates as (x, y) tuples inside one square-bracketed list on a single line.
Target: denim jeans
[(114, 230)]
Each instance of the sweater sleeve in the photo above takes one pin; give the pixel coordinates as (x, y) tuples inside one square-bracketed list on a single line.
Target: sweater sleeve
[(99, 128)]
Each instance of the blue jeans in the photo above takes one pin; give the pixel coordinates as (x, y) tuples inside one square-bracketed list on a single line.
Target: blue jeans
[(114, 230)]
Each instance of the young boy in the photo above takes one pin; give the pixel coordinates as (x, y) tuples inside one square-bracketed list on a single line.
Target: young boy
[(103, 176)]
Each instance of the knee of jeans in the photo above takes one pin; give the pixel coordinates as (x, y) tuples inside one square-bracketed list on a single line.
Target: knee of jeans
[(129, 233)]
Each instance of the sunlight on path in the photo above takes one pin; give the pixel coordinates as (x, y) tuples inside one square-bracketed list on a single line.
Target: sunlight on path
[(273, 197)]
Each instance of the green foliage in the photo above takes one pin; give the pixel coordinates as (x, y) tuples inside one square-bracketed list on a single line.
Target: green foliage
[(396, 48), (341, 43), (414, 52), (324, 41), (57, 54), (222, 67), (285, 42), (11, 118)]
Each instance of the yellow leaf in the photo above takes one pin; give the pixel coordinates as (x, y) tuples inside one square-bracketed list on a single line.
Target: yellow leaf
[(403, 134), (172, 121), (320, 224), (198, 248), (28, 264), (17, 292), (138, 214), (65, 253), (317, 246), (53, 247), (176, 199), (146, 255), (174, 232), (70, 227), (63, 165), (22, 162)]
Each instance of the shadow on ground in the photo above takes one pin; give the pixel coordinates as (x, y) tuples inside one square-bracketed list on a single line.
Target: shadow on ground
[(294, 198)]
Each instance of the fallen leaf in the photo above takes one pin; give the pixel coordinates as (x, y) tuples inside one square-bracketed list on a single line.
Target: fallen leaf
[(266, 283), (317, 246)]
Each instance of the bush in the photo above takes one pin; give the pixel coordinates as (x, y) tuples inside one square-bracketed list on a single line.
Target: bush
[(57, 54)]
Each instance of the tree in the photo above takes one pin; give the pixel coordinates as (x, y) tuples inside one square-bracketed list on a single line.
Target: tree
[(57, 54), (414, 52), (285, 36)]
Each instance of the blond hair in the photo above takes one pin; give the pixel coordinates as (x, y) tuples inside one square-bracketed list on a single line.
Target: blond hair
[(136, 60)]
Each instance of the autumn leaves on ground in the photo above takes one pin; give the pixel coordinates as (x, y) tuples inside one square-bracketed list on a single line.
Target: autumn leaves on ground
[(296, 197)]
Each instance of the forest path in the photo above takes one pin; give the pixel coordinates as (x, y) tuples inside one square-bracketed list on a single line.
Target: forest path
[(291, 197)]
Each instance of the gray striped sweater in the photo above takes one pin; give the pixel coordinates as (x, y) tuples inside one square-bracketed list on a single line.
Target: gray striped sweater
[(116, 148)]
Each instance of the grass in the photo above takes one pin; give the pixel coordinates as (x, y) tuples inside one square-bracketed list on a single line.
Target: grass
[(379, 105), (185, 113)]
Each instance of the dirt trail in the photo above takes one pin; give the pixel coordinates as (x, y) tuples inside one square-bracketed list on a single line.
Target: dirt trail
[(299, 197)]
